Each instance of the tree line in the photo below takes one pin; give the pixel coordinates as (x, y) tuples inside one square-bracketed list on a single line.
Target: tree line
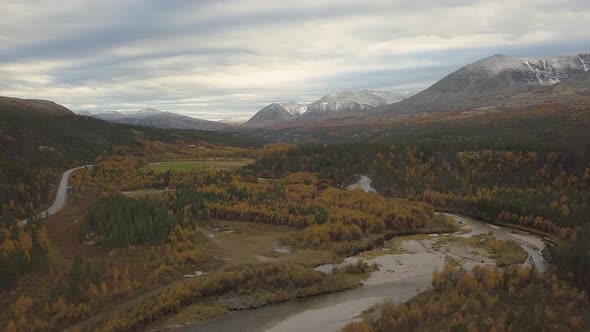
[(487, 183), (301, 200), (541, 184), (119, 221)]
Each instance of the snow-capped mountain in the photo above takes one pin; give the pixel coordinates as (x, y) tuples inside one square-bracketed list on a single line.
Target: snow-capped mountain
[(276, 112), (352, 101), (574, 90), (490, 81), (294, 108), (531, 71), (338, 104), (150, 117)]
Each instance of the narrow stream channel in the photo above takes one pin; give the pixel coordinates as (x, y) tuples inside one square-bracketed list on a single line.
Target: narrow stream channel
[(332, 311)]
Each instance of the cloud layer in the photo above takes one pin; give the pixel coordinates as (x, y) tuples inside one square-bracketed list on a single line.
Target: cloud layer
[(227, 59)]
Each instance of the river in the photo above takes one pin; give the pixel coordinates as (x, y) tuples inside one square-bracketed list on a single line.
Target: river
[(402, 276)]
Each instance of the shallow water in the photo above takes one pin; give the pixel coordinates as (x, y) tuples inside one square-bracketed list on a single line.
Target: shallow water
[(531, 243), (402, 276), (320, 313)]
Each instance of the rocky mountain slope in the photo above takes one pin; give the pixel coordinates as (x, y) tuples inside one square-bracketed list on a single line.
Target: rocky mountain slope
[(294, 108), (575, 90), (276, 112), (490, 81)]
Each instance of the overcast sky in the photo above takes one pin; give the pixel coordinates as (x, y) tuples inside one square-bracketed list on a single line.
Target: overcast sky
[(227, 59)]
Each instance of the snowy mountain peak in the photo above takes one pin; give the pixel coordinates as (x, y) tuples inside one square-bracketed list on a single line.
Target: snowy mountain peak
[(496, 64), (294, 108), (277, 112), (149, 111), (340, 102), (488, 82), (353, 101), (542, 71)]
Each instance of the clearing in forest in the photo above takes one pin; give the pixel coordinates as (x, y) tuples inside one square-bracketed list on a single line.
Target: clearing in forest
[(199, 165)]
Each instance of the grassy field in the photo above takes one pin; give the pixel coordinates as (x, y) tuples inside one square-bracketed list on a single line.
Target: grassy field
[(199, 165)]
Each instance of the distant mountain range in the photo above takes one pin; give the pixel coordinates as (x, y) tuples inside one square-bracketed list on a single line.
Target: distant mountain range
[(150, 117), (499, 82), (343, 103), (352, 101), (496, 82)]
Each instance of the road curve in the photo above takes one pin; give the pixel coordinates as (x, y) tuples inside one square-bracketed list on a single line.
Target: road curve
[(60, 197)]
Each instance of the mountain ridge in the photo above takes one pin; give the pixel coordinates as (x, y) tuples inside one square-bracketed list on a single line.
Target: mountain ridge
[(151, 117), (352, 101), (489, 82), (276, 112), (340, 104), (34, 105)]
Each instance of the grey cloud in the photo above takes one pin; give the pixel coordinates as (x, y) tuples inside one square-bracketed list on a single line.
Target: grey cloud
[(129, 67), (147, 23), (195, 58)]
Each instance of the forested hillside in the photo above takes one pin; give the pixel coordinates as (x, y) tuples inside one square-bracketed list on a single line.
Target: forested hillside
[(533, 172), (536, 174), (36, 147), (508, 186)]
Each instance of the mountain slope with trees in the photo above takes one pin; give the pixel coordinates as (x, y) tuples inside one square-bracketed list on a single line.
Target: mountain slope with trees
[(37, 145)]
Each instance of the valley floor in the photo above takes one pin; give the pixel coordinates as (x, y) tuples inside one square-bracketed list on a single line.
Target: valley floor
[(404, 268)]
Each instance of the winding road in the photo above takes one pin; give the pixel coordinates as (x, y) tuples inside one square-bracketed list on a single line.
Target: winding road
[(61, 196)]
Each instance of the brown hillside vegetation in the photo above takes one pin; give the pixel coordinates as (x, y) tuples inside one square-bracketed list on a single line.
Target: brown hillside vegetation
[(33, 105)]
